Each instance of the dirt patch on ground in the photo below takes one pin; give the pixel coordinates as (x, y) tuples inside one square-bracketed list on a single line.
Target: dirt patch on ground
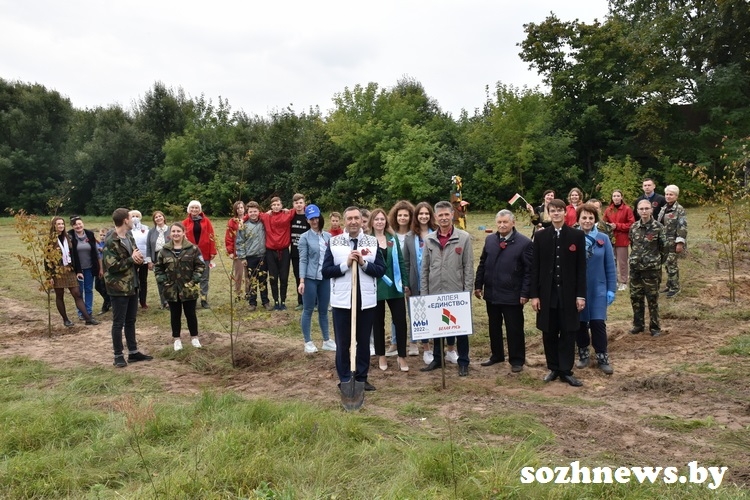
[(672, 399)]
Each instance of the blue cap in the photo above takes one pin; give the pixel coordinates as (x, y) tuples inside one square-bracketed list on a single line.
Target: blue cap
[(312, 211)]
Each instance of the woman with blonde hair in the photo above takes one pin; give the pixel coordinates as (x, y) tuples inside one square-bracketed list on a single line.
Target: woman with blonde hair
[(157, 237), (199, 231), (179, 267), (575, 199)]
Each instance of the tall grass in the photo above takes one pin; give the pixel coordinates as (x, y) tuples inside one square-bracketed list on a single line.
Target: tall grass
[(64, 437)]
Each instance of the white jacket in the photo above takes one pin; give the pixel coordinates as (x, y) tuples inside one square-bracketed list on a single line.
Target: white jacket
[(335, 268)]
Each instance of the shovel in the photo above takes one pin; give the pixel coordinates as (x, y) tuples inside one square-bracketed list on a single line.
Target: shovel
[(353, 392)]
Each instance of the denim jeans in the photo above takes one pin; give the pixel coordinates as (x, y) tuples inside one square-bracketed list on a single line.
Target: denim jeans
[(87, 291), (124, 312), (316, 292)]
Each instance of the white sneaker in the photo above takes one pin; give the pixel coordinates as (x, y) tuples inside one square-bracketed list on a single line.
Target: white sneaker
[(428, 357), (196, 342), (329, 345), (310, 347), (622, 287), (413, 349), (392, 350), (451, 357), (178, 345)]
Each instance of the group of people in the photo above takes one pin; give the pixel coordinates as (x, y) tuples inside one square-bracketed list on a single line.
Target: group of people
[(117, 265), (655, 234), (264, 244), (569, 270)]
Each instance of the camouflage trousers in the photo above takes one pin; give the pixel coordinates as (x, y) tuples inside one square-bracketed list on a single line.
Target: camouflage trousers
[(644, 287), (673, 273)]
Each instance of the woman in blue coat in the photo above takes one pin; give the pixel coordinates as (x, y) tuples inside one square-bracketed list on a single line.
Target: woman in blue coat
[(601, 283), (315, 289)]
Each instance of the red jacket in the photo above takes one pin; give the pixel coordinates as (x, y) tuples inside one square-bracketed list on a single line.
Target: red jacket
[(230, 236), (622, 217), (278, 229), (207, 243), (571, 217)]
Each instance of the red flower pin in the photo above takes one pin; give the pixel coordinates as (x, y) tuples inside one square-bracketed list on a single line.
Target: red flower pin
[(655, 204), (364, 251), (600, 243), (390, 243), (572, 247), (649, 236), (459, 250), (503, 245)]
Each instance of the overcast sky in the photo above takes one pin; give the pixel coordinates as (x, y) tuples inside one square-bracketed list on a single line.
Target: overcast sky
[(263, 56)]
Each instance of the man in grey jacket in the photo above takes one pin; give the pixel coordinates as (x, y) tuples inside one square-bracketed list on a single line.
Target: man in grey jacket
[(448, 267)]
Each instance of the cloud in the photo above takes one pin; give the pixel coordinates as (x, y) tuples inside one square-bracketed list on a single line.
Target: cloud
[(266, 55)]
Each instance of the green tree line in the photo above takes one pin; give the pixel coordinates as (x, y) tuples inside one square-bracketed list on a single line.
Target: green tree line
[(652, 90)]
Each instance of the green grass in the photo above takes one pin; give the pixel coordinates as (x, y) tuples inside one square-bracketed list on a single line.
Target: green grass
[(738, 346), (679, 424), (126, 439)]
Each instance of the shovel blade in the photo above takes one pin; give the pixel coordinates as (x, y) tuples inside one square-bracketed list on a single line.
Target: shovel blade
[(352, 394)]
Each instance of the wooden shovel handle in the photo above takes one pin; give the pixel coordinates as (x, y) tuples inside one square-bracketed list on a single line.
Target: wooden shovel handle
[(353, 346)]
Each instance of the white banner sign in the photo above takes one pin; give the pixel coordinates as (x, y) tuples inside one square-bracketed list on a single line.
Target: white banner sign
[(442, 315)]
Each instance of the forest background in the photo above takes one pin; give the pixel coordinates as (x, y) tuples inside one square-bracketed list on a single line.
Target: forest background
[(656, 89)]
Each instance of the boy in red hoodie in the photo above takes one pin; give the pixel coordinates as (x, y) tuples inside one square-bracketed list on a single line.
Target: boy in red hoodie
[(278, 227)]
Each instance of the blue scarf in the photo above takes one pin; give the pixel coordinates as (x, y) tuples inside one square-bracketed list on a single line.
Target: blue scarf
[(396, 269), (590, 241)]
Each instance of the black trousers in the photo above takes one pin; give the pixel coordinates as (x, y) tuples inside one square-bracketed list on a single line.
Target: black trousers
[(294, 254), (101, 288), (124, 313), (142, 272), (462, 346), (398, 315), (598, 335), (175, 312), (559, 344), (278, 271), (513, 316), (343, 333)]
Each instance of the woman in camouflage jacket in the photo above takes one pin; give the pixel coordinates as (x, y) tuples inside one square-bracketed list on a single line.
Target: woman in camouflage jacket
[(179, 267)]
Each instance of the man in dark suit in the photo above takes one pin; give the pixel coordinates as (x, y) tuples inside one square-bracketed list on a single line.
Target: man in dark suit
[(558, 291), (656, 200)]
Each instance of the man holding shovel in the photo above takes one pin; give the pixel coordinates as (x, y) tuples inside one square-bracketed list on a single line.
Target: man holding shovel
[(353, 264)]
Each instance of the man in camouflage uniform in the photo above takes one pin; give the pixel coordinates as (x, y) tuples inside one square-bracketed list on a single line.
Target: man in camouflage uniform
[(674, 220), (120, 257), (648, 251)]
